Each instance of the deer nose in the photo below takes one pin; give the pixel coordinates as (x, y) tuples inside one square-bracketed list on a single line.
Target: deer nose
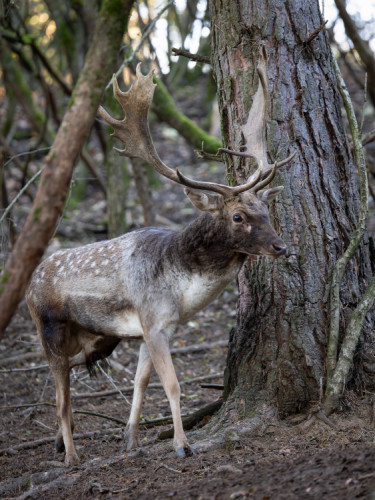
[(279, 249)]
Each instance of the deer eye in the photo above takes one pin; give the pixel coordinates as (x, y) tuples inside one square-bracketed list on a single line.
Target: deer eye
[(237, 218)]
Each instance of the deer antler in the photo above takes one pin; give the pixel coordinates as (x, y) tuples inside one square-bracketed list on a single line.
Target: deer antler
[(134, 132)]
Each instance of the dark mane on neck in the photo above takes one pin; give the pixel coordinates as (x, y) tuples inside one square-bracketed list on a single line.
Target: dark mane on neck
[(204, 244)]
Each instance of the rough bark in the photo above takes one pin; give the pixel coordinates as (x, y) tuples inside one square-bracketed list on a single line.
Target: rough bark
[(277, 352), (55, 180)]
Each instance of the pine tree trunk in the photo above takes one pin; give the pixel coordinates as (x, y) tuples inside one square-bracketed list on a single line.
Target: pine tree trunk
[(277, 351)]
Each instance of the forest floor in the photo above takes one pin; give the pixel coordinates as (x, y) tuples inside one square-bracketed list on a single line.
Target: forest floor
[(280, 460)]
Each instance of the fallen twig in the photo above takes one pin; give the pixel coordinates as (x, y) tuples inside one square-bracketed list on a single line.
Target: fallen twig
[(29, 369), (27, 405), (100, 415), (20, 357), (113, 383), (46, 440), (129, 389), (219, 387), (199, 347), (168, 468), (191, 420)]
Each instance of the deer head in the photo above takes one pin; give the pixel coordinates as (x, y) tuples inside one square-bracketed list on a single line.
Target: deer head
[(243, 207)]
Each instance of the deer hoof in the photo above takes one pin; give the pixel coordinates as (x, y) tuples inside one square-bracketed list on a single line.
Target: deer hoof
[(186, 451), (132, 444), (131, 439), (71, 460)]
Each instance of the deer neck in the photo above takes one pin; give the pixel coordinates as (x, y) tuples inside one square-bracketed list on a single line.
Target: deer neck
[(204, 247)]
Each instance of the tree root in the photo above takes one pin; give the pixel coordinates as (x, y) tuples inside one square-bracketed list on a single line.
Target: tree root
[(317, 414)]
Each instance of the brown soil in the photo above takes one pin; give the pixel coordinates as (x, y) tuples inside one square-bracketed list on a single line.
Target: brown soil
[(277, 461)]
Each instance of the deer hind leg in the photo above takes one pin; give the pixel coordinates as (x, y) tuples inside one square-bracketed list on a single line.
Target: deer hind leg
[(64, 437), (158, 345), (54, 336), (141, 380)]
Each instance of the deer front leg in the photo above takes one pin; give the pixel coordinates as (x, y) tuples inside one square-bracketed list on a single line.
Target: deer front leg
[(158, 346), (141, 380)]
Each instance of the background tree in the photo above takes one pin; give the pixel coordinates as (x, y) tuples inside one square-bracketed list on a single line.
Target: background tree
[(356, 59), (276, 360), (57, 174)]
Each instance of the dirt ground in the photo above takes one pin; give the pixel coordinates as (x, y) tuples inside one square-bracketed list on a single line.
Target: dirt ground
[(280, 460)]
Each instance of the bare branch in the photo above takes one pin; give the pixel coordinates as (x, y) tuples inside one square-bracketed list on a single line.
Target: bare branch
[(168, 468), (20, 357), (94, 169), (208, 156), (218, 387), (39, 442), (369, 137), (361, 46), (29, 369), (145, 35), (18, 196), (130, 389), (191, 420), (315, 33), (193, 57)]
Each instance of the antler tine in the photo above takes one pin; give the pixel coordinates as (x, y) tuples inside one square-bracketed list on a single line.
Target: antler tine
[(265, 181), (269, 173), (133, 130), (226, 191)]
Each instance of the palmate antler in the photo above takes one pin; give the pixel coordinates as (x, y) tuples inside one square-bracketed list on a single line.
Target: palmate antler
[(134, 132)]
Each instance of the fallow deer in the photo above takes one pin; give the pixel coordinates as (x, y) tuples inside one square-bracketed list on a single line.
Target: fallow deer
[(144, 283)]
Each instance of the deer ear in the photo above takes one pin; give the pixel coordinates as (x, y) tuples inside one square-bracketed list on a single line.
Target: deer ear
[(270, 194), (203, 201)]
